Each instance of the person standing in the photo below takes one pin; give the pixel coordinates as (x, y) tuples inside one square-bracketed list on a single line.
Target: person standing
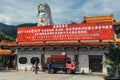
[(35, 67), (49, 67)]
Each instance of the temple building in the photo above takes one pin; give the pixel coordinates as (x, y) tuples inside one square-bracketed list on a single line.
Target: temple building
[(8, 58), (88, 53), (85, 42)]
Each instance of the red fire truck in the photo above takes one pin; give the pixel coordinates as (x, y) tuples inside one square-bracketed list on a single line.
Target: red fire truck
[(58, 62)]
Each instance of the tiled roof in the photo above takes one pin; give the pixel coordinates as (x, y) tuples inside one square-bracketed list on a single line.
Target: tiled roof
[(116, 24), (5, 52), (93, 19)]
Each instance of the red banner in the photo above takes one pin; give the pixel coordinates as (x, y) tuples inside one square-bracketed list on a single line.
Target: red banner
[(84, 31)]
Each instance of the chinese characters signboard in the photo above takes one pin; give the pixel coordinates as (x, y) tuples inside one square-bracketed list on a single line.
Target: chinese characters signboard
[(84, 31)]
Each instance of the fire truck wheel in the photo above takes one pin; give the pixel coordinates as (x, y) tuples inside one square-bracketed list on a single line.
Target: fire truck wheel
[(68, 71), (52, 71), (73, 72), (55, 71)]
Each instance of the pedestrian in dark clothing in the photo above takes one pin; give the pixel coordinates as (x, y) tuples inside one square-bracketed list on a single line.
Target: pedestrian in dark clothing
[(49, 66), (35, 67)]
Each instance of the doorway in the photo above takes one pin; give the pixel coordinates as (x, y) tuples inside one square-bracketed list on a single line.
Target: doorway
[(8, 61), (95, 63)]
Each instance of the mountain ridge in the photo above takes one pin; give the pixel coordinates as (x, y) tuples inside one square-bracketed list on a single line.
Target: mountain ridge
[(11, 30)]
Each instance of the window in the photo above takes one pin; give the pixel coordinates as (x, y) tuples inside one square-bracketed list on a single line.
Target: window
[(22, 60), (69, 62), (34, 59)]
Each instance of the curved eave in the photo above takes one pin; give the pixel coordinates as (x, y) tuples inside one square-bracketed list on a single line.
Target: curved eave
[(116, 24), (62, 44), (5, 52)]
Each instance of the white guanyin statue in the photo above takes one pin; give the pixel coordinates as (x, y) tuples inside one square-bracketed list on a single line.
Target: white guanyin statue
[(44, 15)]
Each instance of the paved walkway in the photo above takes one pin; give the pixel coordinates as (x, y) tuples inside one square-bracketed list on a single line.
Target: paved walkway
[(29, 75)]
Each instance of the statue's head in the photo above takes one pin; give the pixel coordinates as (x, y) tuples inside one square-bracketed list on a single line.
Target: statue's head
[(44, 15)]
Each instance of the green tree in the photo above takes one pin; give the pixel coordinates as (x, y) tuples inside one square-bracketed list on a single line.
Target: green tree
[(1, 36), (6, 37), (112, 57)]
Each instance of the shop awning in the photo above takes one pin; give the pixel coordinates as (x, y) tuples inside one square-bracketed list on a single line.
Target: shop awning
[(5, 52)]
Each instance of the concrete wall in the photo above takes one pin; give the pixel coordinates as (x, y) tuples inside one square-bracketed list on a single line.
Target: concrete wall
[(28, 55), (84, 59), (83, 63)]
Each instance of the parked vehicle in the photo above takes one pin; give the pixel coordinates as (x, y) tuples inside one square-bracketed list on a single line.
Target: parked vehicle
[(57, 62)]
